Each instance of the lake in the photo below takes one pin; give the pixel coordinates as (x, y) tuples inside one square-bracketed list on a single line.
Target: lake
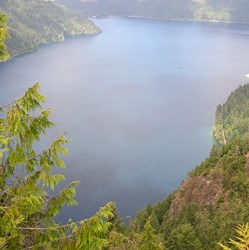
[(138, 101)]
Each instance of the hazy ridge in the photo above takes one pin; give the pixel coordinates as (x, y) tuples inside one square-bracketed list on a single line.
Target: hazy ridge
[(199, 10)]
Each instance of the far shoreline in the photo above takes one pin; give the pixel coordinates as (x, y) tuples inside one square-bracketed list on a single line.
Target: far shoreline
[(165, 19), (42, 45)]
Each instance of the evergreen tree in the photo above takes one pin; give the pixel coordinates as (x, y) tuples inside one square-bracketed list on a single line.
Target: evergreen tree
[(241, 242), (184, 237), (27, 209), (149, 239)]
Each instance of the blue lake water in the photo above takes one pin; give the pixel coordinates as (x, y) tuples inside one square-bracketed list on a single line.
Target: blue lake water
[(138, 101)]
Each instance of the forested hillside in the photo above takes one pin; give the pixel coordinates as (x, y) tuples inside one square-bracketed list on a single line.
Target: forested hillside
[(232, 118), (208, 10), (35, 22), (213, 199), (209, 204)]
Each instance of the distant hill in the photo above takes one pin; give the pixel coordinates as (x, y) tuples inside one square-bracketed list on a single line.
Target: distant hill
[(35, 22), (207, 10)]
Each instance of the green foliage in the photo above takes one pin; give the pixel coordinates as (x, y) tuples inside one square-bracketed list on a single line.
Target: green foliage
[(232, 118), (184, 237), (214, 197), (34, 22), (156, 212), (231, 158), (149, 239), (124, 241), (26, 208), (200, 225), (3, 36), (241, 242)]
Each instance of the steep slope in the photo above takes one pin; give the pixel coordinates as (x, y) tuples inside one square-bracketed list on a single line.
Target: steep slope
[(209, 203), (232, 118), (200, 10), (35, 22), (213, 199)]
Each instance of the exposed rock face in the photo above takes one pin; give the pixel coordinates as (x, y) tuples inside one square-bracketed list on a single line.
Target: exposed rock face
[(205, 190), (202, 190)]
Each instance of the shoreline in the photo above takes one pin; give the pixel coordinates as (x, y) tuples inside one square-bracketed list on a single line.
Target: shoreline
[(12, 57), (165, 19)]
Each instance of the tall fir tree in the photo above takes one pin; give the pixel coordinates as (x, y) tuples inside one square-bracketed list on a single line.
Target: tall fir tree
[(27, 208)]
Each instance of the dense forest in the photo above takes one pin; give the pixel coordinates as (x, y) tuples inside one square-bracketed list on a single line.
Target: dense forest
[(208, 205), (232, 118), (200, 10), (34, 22), (213, 199)]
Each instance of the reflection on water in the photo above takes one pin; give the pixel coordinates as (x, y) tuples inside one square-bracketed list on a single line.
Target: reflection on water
[(138, 101)]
